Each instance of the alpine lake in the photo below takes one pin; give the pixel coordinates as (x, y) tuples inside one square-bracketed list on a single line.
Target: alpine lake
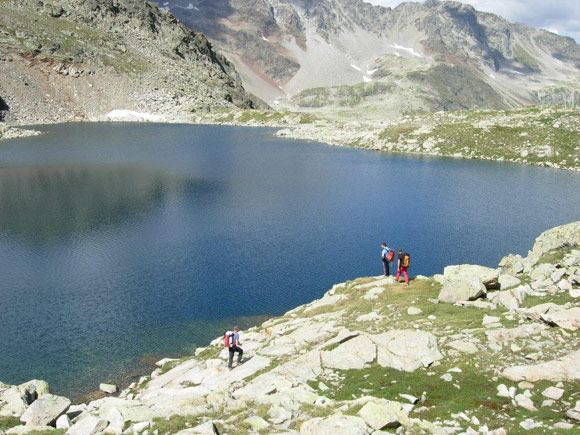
[(121, 244)]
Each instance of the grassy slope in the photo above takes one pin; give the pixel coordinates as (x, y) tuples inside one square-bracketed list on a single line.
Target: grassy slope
[(56, 40)]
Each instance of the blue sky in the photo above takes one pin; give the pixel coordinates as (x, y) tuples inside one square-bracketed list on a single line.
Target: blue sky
[(559, 16)]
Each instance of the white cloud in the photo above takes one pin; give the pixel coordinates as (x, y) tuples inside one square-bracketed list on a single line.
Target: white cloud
[(561, 16)]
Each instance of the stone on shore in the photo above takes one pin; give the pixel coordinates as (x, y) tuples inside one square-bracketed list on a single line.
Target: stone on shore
[(463, 346), (507, 281), (108, 388), (336, 424), (45, 410), (553, 393), (63, 422), (381, 415), (13, 401), (562, 369), (465, 290), (512, 265), (257, 423), (34, 389), (567, 319), (406, 350), (466, 282)]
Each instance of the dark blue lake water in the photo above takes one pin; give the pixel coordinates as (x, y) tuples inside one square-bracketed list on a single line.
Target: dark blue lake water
[(123, 243)]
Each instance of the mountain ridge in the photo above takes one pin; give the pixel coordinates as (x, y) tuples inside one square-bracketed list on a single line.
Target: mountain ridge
[(285, 47)]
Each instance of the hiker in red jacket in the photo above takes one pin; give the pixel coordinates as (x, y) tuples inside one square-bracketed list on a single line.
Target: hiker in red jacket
[(403, 262)]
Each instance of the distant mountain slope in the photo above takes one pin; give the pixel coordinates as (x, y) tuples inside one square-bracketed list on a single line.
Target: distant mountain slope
[(432, 55), (64, 60)]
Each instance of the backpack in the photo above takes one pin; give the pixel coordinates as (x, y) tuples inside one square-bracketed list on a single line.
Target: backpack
[(228, 339), (390, 255), (406, 260)]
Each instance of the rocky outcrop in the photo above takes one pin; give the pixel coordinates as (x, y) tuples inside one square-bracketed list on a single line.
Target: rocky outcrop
[(467, 282), (566, 236), (66, 61), (566, 368), (45, 410)]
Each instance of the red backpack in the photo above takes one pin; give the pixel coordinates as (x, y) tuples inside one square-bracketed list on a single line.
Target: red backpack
[(228, 339)]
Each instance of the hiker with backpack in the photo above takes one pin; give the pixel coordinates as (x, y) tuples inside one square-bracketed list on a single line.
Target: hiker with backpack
[(232, 342), (387, 255), (403, 263)]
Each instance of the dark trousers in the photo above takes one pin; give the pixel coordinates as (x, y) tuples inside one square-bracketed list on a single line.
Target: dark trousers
[(386, 267), (233, 350)]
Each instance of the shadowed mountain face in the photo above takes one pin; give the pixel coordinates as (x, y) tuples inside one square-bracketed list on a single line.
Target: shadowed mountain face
[(67, 60), (432, 55)]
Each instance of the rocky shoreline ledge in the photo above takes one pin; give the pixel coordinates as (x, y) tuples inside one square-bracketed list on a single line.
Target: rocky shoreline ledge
[(10, 132), (473, 350)]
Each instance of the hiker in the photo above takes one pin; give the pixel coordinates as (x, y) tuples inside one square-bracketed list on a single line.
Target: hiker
[(232, 342), (387, 256), (403, 263)]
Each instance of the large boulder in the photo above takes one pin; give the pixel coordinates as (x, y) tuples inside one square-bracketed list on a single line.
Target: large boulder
[(336, 424), (406, 350), (562, 369), (467, 282), (463, 346), (508, 281), (88, 425), (383, 414), (45, 410), (511, 265), (567, 319), (555, 315), (504, 298), (13, 402), (457, 291), (35, 389), (505, 335), (353, 354)]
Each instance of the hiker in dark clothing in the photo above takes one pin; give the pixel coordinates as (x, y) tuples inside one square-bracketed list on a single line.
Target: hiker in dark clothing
[(402, 266), (235, 346), (385, 253)]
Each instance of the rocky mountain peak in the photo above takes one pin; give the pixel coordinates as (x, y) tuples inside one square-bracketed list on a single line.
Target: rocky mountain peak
[(285, 47)]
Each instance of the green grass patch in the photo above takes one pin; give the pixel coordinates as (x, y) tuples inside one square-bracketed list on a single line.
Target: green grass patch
[(260, 116), (175, 423), (554, 257), (8, 422)]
